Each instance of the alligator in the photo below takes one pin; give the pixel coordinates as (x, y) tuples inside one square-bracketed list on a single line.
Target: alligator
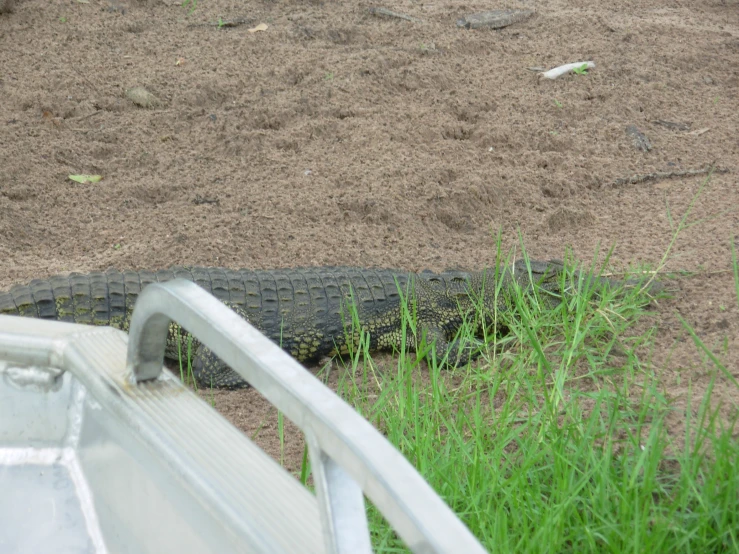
[(305, 310)]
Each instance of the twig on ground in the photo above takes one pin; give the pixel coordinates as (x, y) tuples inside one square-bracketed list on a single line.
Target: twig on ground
[(93, 114), (224, 23), (657, 175), (84, 78)]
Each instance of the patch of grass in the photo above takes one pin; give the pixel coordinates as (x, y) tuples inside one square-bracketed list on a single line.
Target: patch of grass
[(184, 359), (190, 6), (556, 440)]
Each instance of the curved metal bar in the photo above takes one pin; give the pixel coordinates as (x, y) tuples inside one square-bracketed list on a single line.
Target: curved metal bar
[(343, 514), (414, 510)]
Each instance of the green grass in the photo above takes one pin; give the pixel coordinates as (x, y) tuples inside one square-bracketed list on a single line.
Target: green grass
[(557, 439)]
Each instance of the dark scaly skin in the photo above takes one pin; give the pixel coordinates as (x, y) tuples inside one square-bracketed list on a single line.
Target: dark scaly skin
[(306, 311)]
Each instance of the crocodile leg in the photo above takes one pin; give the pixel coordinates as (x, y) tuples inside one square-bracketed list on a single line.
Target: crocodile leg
[(210, 371), (456, 351)]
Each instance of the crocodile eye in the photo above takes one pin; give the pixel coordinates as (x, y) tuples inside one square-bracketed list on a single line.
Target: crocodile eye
[(434, 280), (459, 280)]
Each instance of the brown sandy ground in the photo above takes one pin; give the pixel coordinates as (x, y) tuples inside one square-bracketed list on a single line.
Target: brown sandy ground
[(338, 137)]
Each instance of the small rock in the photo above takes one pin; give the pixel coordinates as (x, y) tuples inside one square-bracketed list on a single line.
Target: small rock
[(496, 19), (639, 139), (142, 97)]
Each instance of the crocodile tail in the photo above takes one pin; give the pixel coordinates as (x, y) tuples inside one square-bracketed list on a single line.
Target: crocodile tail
[(94, 299), (32, 300)]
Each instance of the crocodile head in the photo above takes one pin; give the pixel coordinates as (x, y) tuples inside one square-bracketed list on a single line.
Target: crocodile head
[(492, 289)]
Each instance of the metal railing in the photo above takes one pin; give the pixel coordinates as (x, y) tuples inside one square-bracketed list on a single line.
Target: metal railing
[(349, 458)]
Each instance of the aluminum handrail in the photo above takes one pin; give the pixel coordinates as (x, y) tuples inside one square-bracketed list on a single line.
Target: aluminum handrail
[(348, 455)]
